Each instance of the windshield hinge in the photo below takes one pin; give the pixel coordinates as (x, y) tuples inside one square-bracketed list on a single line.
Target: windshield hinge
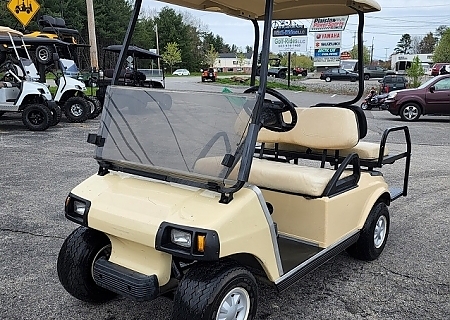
[(226, 198), (99, 141)]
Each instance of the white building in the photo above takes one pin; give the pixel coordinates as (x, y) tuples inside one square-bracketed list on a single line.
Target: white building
[(400, 61), (229, 62)]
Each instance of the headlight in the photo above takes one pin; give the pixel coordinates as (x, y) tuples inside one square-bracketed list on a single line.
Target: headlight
[(181, 238), (392, 95), (77, 209)]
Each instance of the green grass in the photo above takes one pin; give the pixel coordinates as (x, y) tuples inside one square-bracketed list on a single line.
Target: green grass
[(272, 85)]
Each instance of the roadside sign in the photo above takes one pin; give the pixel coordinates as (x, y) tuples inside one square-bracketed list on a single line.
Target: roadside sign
[(328, 24), (23, 10)]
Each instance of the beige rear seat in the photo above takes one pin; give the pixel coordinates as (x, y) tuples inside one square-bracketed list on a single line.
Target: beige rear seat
[(365, 150)]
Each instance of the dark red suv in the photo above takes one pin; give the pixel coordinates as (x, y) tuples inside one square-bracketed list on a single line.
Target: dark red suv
[(436, 67), (431, 98)]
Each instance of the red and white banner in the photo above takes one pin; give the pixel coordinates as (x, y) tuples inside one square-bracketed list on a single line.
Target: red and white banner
[(328, 24)]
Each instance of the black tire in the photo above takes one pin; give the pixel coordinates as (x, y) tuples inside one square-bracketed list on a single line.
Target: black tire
[(366, 76), (203, 79), (352, 79), (294, 73), (44, 54), (96, 107), (328, 79), (77, 109), (282, 74), (204, 287), (2, 113), (374, 234), (410, 111), (304, 73), (56, 115), (75, 262), (37, 117)]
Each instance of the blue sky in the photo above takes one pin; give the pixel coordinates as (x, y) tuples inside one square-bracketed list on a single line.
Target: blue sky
[(384, 29)]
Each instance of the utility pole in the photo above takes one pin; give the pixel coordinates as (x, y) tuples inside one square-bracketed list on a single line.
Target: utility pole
[(157, 43), (386, 54), (371, 51), (92, 37)]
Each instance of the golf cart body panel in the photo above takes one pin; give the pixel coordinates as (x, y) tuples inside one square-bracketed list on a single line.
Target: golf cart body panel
[(156, 202), (68, 87)]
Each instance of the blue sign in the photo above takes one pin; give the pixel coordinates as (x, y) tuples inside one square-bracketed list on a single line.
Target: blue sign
[(290, 32), (327, 52)]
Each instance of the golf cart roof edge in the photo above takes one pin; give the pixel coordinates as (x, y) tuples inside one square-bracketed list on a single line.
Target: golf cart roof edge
[(4, 31), (283, 9)]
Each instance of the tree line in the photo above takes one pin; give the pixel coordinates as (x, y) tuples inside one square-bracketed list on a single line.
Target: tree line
[(192, 38)]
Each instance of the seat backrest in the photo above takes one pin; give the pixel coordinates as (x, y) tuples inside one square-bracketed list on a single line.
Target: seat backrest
[(330, 128)]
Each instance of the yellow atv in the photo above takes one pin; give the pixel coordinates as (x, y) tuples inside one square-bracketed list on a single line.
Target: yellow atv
[(200, 193)]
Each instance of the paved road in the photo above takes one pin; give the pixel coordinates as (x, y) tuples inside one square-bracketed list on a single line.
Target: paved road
[(411, 279)]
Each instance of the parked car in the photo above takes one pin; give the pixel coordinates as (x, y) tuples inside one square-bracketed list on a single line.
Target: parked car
[(209, 74), (338, 74), (436, 68), (393, 82), (431, 98), (445, 69), (181, 72), (376, 72)]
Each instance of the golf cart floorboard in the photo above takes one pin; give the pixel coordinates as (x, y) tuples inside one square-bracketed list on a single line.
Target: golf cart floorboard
[(294, 252)]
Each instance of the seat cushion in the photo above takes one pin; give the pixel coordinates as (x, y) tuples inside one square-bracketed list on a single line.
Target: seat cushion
[(365, 150), (275, 175)]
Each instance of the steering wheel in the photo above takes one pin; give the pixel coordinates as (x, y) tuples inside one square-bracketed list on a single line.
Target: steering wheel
[(272, 113)]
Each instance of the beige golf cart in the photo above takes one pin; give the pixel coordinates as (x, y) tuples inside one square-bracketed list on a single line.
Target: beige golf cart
[(199, 193)]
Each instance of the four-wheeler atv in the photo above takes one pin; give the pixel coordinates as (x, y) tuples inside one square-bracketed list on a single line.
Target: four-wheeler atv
[(198, 194), (275, 69), (17, 94), (209, 74)]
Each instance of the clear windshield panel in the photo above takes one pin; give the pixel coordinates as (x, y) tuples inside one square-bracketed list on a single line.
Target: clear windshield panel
[(175, 132)]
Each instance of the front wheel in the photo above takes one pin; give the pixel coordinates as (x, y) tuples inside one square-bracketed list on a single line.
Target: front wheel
[(37, 117), (410, 112), (77, 109), (366, 77), (76, 264), (365, 106), (374, 234), (56, 115), (327, 79), (223, 290)]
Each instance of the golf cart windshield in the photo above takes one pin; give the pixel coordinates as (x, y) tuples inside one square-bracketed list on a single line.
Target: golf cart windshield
[(176, 133)]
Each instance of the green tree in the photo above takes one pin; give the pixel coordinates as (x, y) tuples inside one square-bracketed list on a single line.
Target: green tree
[(241, 56), (440, 31), (404, 45), (442, 51), (428, 43), (172, 55), (366, 53), (211, 56), (415, 72)]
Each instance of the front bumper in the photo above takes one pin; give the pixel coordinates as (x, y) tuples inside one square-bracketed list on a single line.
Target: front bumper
[(124, 281)]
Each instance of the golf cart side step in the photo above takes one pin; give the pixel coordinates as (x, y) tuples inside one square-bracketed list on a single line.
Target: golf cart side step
[(395, 192), (124, 281)]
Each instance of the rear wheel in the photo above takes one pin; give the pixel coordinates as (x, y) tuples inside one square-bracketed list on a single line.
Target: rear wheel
[(366, 77), (410, 112), (77, 109), (56, 115), (223, 290), (282, 75), (374, 234), (76, 264), (37, 117), (365, 106), (96, 106), (328, 79)]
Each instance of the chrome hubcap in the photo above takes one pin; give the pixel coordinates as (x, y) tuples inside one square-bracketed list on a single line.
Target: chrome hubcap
[(410, 112), (235, 305), (76, 110), (43, 55), (380, 232)]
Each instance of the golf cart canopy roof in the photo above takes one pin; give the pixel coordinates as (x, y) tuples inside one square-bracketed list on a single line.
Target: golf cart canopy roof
[(4, 31), (133, 51), (283, 9), (33, 41)]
